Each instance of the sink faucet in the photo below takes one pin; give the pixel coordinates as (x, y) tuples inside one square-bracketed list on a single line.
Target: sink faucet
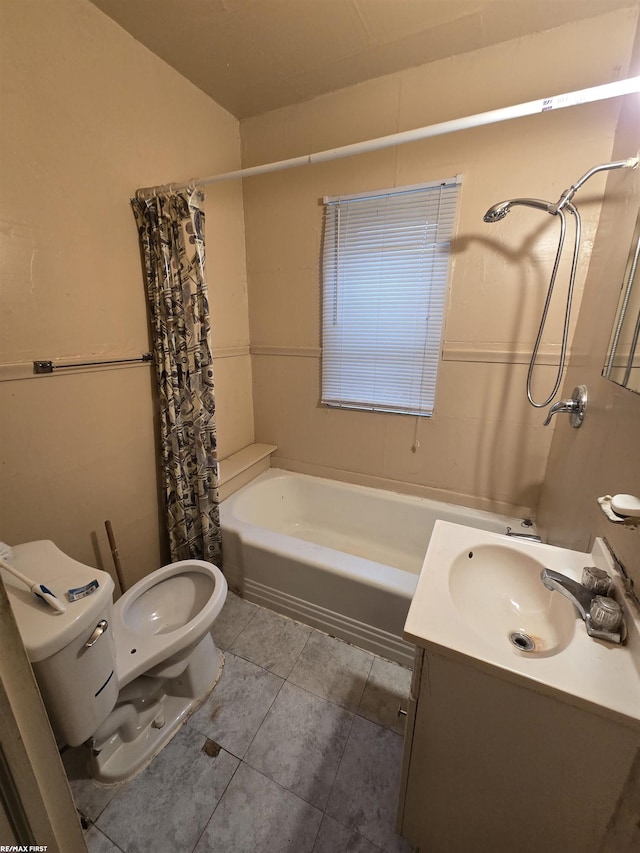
[(599, 612)]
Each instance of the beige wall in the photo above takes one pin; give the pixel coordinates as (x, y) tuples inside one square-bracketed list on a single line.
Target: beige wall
[(81, 129), (603, 456), (88, 116), (485, 446)]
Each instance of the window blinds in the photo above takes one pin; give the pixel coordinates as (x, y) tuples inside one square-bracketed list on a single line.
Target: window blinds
[(385, 275)]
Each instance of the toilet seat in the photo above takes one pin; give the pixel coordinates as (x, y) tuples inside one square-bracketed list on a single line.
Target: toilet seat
[(154, 629)]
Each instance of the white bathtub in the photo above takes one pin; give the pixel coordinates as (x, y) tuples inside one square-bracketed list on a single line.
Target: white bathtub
[(339, 557)]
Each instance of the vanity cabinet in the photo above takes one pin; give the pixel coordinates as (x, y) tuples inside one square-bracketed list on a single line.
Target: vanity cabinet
[(494, 764)]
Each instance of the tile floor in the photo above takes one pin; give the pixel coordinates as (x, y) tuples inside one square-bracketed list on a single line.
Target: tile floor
[(306, 754)]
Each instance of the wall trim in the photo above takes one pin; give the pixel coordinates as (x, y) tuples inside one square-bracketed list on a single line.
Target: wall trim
[(299, 352), (490, 352), (231, 352), (499, 353)]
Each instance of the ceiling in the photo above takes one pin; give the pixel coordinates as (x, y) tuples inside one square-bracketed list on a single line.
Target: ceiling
[(252, 56)]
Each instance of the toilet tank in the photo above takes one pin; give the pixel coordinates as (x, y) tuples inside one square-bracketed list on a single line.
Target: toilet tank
[(78, 682)]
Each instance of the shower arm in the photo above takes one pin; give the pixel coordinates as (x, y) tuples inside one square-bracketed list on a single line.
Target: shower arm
[(567, 195)]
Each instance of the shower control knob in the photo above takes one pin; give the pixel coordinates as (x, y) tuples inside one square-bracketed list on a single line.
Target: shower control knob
[(575, 407), (605, 613)]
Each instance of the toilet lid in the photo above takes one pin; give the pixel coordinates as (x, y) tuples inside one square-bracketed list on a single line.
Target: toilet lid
[(44, 632)]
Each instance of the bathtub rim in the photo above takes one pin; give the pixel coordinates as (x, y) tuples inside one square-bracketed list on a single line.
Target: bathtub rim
[(386, 579), (375, 491)]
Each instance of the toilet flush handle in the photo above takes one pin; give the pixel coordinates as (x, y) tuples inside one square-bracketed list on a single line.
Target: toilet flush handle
[(98, 631)]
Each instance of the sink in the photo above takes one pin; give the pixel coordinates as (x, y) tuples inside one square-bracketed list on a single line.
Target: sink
[(480, 599), (500, 596)]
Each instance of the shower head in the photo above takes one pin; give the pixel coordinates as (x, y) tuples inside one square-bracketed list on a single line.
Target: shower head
[(497, 212), (500, 210)]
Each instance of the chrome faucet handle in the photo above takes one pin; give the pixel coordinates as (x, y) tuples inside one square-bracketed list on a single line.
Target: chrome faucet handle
[(605, 614), (575, 407), (602, 615), (560, 406)]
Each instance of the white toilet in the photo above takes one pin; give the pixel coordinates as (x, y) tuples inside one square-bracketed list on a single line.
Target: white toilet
[(121, 677)]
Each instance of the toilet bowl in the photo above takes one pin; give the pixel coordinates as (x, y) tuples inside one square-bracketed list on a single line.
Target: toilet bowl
[(121, 677), (160, 619)]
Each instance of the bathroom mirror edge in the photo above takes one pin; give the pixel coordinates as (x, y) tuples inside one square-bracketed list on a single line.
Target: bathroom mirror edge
[(623, 357)]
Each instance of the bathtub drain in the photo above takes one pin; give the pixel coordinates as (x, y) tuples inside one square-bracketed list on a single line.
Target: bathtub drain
[(522, 641)]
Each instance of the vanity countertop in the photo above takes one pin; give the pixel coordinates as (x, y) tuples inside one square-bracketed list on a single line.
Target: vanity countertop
[(603, 676)]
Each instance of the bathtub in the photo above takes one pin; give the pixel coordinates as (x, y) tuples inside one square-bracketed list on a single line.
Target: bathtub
[(339, 557)]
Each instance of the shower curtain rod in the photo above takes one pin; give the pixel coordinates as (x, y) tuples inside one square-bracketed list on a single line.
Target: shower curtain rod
[(557, 102)]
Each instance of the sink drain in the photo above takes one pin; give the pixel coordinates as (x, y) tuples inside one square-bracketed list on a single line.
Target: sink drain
[(522, 641)]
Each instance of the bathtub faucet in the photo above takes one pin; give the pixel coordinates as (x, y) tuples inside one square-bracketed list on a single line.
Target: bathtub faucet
[(529, 537)]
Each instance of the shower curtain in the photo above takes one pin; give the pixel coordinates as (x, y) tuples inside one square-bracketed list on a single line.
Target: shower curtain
[(171, 231)]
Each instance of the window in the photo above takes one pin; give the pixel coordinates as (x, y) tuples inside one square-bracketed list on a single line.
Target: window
[(385, 275)]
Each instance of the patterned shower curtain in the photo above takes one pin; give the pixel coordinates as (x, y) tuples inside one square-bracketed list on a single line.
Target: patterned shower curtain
[(171, 230)]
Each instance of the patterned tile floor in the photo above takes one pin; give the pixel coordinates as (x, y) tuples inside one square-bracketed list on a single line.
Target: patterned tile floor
[(309, 758)]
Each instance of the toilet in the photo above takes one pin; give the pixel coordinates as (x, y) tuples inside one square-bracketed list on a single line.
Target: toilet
[(120, 678)]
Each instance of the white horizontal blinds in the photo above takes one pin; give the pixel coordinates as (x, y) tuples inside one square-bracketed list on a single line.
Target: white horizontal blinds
[(385, 274)]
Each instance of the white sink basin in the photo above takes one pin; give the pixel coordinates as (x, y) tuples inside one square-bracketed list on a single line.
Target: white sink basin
[(500, 596), (479, 594)]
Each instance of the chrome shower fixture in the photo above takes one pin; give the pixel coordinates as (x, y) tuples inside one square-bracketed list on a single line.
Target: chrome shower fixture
[(567, 195), (501, 209)]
